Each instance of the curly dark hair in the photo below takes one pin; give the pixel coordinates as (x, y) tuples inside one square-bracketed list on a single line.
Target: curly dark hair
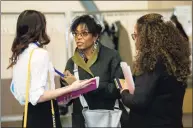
[(159, 39), (89, 21)]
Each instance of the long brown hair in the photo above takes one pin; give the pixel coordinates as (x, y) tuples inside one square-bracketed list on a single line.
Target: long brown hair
[(31, 27), (157, 38)]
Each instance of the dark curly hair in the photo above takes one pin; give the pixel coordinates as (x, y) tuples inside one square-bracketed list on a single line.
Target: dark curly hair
[(31, 27), (93, 27), (159, 39)]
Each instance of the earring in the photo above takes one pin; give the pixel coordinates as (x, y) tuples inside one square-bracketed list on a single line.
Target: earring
[(95, 44)]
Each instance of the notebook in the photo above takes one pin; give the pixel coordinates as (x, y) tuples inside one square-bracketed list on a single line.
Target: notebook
[(93, 85)]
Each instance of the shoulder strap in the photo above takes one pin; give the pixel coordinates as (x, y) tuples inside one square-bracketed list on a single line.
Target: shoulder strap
[(82, 99), (52, 105), (27, 90), (76, 71), (27, 94)]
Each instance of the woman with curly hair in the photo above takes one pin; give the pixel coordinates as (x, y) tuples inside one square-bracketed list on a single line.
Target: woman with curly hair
[(161, 70)]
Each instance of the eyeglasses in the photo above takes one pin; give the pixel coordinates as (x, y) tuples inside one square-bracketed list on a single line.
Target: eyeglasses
[(134, 35), (82, 34)]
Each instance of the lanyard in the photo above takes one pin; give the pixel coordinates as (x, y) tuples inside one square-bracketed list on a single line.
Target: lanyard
[(58, 72)]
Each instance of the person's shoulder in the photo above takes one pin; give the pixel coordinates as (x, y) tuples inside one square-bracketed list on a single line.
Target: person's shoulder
[(160, 67), (160, 63), (70, 60), (40, 54), (108, 51), (41, 51)]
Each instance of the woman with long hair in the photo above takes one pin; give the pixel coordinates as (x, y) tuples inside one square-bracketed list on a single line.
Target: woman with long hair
[(161, 70), (30, 60)]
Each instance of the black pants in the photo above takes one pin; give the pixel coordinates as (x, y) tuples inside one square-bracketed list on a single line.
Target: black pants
[(78, 120), (40, 116)]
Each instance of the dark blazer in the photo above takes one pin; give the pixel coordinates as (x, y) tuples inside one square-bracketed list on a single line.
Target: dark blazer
[(157, 100), (107, 67)]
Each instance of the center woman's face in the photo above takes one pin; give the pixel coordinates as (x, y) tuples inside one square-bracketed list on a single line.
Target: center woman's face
[(83, 38)]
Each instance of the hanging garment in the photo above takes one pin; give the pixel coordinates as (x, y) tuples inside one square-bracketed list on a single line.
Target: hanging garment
[(124, 46), (106, 40), (115, 35)]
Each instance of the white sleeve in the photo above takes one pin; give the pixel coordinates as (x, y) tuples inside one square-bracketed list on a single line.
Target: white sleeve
[(39, 74)]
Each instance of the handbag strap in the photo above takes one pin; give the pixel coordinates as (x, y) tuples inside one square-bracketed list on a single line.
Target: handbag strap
[(27, 90), (81, 97), (27, 94), (52, 104)]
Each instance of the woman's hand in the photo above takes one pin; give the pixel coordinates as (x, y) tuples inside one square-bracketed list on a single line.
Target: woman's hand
[(125, 86), (69, 78), (67, 73), (79, 84)]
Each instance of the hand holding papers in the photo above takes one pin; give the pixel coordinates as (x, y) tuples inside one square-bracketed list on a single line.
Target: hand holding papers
[(69, 78), (86, 87), (128, 83)]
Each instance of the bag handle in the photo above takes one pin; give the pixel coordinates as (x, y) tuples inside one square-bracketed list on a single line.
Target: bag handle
[(81, 97), (27, 90), (27, 94), (52, 105)]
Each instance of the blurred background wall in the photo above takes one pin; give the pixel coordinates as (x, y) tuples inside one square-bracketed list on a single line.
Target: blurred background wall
[(59, 15)]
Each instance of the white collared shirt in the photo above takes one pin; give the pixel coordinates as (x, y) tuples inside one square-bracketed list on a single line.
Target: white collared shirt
[(40, 65)]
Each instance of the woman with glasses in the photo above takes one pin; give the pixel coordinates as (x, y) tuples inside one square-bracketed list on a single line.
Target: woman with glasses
[(33, 72), (161, 70), (93, 59)]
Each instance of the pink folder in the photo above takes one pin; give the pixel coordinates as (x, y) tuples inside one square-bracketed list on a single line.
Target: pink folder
[(92, 86)]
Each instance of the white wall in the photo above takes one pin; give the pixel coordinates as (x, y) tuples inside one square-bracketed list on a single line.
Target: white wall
[(56, 27), (121, 5), (45, 6), (57, 46), (167, 4), (56, 30)]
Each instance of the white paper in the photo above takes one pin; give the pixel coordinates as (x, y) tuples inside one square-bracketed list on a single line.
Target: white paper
[(128, 75), (97, 81)]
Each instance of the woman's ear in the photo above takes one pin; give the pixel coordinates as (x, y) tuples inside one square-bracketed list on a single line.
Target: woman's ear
[(95, 38)]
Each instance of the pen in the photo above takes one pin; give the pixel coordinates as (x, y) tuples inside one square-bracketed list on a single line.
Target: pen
[(59, 73)]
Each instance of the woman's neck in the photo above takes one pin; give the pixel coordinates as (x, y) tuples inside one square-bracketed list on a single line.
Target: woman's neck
[(89, 52)]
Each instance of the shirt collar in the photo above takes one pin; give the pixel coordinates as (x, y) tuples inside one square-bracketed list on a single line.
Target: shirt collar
[(33, 45)]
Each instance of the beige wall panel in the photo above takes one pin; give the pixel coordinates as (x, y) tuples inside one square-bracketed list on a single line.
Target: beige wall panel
[(121, 5), (46, 6), (166, 4), (56, 28)]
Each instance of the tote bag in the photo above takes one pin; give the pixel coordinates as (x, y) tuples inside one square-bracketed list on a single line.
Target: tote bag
[(99, 117)]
